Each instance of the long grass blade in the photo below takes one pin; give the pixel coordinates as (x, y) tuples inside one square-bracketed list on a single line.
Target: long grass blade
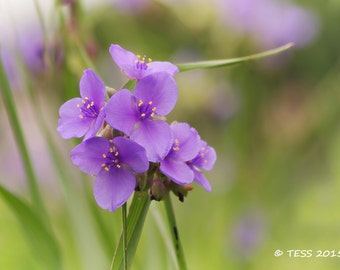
[(231, 61)]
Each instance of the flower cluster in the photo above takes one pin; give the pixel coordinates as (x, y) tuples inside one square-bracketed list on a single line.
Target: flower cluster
[(128, 144)]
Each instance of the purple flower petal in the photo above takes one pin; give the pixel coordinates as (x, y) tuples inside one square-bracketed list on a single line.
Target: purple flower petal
[(93, 88), (113, 188), (157, 66), (137, 67), (88, 155), (160, 89), (121, 112), (177, 171), (131, 154), (125, 60), (206, 158), (200, 179), (96, 125), (69, 123), (186, 142), (155, 136)]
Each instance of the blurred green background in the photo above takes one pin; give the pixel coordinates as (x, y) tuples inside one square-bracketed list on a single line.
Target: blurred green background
[(274, 124)]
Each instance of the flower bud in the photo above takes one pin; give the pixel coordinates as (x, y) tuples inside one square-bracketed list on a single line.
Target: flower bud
[(158, 190)]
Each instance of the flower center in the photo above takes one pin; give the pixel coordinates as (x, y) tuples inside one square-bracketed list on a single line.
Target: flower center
[(175, 146), (146, 110), (111, 159), (142, 62), (87, 109)]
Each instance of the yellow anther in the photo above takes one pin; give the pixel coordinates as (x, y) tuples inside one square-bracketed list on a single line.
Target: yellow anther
[(92, 103), (176, 148), (149, 59), (103, 165), (104, 155), (116, 154), (176, 141), (111, 150), (81, 116), (152, 114), (140, 103), (153, 109), (88, 106), (150, 102), (202, 155), (142, 115), (118, 166), (107, 169)]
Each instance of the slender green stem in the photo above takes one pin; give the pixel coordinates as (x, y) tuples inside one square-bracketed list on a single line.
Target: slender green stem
[(174, 233), (8, 100), (124, 236), (134, 225)]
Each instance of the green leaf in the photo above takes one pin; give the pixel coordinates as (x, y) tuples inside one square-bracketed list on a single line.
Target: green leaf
[(232, 61), (42, 243), (135, 222), (8, 100)]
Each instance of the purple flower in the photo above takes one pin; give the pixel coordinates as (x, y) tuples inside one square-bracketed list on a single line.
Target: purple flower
[(137, 67), (115, 164), (270, 22), (205, 160), (84, 115), (139, 115), (186, 145)]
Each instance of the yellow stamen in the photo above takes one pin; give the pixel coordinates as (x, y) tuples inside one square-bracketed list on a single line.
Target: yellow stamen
[(140, 103)]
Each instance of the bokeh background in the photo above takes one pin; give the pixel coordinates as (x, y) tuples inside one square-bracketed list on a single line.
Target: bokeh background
[(274, 124)]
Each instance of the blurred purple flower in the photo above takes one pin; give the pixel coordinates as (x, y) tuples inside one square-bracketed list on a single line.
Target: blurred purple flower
[(204, 160), (115, 164), (137, 67), (139, 115), (248, 233), (31, 46), (270, 22), (11, 67), (186, 145), (83, 115), (132, 6)]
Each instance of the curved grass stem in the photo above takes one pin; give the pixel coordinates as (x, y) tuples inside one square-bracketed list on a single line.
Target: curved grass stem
[(174, 233)]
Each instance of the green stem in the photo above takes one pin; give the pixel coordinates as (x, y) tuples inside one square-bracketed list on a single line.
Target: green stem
[(124, 236), (174, 233), (8, 100), (134, 225)]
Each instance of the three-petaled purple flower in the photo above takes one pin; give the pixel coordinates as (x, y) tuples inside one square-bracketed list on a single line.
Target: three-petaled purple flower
[(115, 163), (139, 115), (84, 115), (204, 160), (137, 67), (185, 147)]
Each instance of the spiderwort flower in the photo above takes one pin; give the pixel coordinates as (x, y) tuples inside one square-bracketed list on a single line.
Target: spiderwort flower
[(139, 115), (84, 115), (185, 147), (115, 162), (204, 160), (137, 67)]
